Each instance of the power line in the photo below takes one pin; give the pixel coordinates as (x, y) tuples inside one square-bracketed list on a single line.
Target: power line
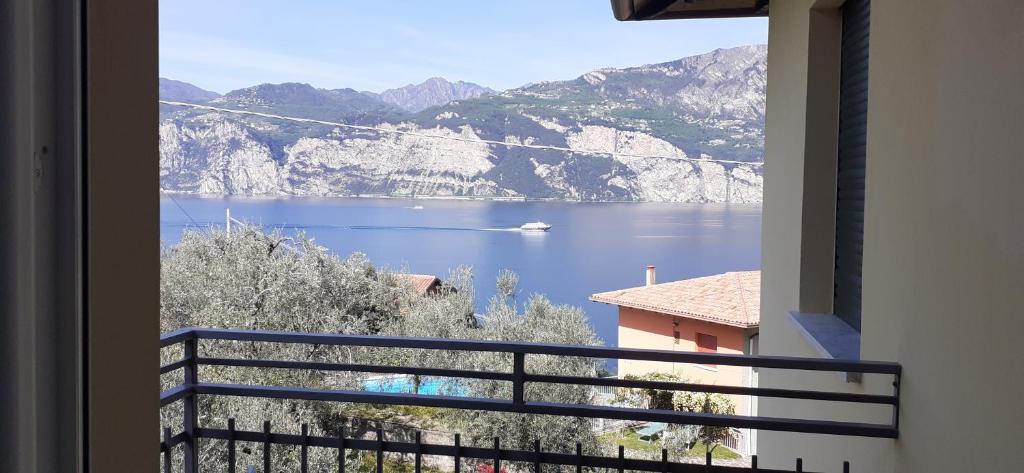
[(454, 138), (194, 222)]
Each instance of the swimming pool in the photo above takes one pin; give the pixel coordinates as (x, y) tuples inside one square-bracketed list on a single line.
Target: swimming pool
[(404, 384)]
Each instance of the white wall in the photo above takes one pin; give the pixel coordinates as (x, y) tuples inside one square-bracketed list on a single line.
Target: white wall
[(944, 233)]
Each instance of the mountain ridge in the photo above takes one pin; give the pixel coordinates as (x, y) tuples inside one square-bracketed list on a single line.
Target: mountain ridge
[(435, 91), (180, 91), (707, 107)]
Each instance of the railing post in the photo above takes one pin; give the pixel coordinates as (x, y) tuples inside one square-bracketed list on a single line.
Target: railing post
[(536, 460), (579, 457), (380, 450), (191, 408), (896, 407), (167, 453), (458, 453), (419, 453), (518, 377), (497, 455), (231, 445), (341, 450), (266, 446), (304, 451)]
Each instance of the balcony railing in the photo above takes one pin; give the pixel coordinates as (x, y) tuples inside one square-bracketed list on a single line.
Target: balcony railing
[(191, 387)]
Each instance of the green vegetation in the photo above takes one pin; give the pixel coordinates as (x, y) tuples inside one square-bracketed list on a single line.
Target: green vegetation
[(699, 450), (366, 462), (270, 281), (631, 440), (682, 438), (648, 398), (707, 403), (690, 137)]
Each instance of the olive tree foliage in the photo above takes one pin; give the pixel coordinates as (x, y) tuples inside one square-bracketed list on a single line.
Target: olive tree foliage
[(251, 279), (448, 314), (539, 321), (707, 403), (645, 398), (680, 438)]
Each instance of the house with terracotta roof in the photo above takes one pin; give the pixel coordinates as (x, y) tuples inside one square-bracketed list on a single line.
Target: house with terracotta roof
[(717, 314), (713, 314), (424, 284)]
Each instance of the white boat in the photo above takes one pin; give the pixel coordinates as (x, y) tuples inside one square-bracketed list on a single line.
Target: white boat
[(535, 227)]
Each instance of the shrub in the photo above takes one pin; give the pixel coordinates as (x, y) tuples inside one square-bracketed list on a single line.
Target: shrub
[(648, 398), (708, 403)]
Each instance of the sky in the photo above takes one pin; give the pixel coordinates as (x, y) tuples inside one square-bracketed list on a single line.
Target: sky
[(223, 45)]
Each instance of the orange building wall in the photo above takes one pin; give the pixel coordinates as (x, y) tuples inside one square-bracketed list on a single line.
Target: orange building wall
[(653, 330)]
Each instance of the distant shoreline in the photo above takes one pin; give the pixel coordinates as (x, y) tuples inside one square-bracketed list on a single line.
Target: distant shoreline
[(439, 197)]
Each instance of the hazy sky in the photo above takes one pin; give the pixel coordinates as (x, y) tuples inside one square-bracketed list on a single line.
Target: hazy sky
[(223, 45)]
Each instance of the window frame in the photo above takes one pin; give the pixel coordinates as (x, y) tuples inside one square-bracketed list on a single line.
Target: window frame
[(120, 44), (849, 213), (814, 316)]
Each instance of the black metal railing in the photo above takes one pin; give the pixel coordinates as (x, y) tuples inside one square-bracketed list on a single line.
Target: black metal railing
[(191, 387)]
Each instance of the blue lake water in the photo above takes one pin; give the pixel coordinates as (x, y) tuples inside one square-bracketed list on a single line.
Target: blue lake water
[(592, 247)]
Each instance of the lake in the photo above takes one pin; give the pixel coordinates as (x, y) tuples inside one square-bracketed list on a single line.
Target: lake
[(592, 247)]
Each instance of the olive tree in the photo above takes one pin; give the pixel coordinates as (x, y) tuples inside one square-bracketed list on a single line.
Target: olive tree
[(539, 321), (252, 279), (680, 439), (648, 398), (707, 403)]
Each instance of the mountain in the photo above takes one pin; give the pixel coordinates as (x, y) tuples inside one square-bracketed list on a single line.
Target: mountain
[(178, 91), (303, 100), (671, 126), (431, 93)]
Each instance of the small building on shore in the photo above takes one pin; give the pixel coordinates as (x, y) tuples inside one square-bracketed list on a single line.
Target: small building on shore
[(424, 284)]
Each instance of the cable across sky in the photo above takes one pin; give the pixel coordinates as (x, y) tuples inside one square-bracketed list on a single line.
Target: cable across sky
[(456, 138)]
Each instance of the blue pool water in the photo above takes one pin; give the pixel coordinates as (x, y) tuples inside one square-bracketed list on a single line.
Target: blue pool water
[(401, 384)]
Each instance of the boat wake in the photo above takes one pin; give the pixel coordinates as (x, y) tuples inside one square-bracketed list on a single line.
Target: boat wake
[(426, 228)]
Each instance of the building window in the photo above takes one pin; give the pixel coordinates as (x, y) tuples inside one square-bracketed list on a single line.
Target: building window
[(853, 118), (707, 344)]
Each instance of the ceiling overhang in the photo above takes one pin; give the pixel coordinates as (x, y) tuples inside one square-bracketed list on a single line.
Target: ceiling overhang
[(642, 10)]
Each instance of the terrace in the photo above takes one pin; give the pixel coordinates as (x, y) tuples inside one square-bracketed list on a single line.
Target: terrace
[(191, 432)]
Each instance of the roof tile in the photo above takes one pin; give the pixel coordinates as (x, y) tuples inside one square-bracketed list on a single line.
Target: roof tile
[(422, 282), (730, 298)]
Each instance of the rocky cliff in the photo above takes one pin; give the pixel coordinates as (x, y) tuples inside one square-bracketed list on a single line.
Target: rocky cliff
[(709, 107)]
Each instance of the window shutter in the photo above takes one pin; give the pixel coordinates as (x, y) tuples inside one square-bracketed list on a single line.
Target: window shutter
[(707, 343), (853, 119)]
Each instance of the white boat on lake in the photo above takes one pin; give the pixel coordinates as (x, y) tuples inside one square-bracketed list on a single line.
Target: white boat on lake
[(535, 227)]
